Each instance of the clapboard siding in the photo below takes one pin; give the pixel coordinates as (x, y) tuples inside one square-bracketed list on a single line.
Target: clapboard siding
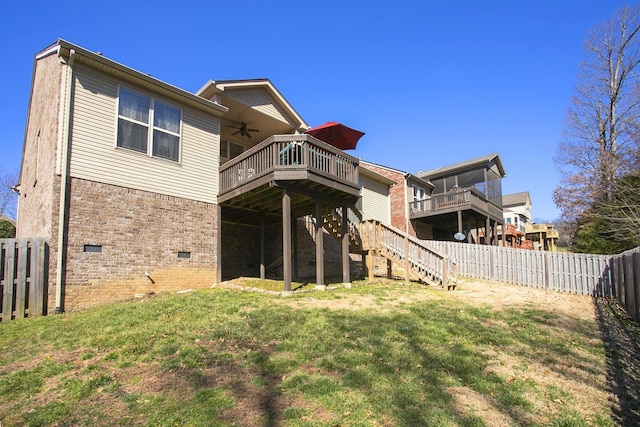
[(375, 201), (95, 156), (259, 101)]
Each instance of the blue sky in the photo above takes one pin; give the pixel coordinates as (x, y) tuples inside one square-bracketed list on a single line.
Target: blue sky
[(432, 83)]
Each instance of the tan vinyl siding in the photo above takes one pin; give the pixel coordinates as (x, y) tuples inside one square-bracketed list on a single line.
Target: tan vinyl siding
[(96, 158), (260, 101), (375, 201)]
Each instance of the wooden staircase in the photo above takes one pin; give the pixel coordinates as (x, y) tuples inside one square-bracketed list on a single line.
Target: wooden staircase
[(332, 223), (374, 238), (428, 264)]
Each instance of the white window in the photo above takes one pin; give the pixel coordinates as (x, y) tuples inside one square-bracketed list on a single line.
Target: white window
[(148, 125), (419, 193), (229, 150)]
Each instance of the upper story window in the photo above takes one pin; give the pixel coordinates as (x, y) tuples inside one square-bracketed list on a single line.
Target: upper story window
[(229, 150), (419, 193), (148, 125)]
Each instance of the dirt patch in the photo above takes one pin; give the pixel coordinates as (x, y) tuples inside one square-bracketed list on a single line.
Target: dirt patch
[(469, 401)]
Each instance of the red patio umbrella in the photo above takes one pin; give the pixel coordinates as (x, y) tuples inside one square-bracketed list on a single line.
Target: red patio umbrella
[(336, 134)]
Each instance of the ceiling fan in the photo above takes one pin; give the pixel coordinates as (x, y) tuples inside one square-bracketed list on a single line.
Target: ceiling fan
[(243, 130)]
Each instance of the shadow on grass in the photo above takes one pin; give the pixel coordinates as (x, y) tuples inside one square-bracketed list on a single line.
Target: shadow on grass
[(397, 365), (621, 337)]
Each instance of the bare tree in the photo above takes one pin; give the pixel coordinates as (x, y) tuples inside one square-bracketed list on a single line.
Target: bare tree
[(601, 141), (622, 212), (8, 197)]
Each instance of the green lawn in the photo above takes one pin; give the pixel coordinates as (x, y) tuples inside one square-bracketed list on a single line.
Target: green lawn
[(378, 354)]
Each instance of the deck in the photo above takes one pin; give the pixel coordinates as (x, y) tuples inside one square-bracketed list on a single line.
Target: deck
[(465, 199), (253, 182)]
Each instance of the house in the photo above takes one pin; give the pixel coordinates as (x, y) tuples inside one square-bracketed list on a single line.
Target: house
[(517, 210), (141, 187), (407, 188), (375, 195), (131, 178), (466, 202), (521, 231), (543, 236), (517, 215)]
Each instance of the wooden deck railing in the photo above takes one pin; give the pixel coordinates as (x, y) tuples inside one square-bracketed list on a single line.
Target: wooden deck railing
[(429, 264), (289, 153), (468, 198)]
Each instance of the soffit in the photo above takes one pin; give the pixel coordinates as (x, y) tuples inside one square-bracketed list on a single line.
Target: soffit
[(258, 104)]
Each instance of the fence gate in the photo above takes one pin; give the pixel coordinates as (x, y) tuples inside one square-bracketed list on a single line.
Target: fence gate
[(23, 278)]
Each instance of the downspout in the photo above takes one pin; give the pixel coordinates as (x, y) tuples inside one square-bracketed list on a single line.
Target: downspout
[(407, 210), (64, 182)]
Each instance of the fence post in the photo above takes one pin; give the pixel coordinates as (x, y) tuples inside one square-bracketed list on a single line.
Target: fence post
[(627, 265), (9, 273), (546, 267), (39, 276), (21, 282), (621, 282)]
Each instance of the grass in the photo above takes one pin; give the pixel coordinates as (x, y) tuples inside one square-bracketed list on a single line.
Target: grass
[(378, 354)]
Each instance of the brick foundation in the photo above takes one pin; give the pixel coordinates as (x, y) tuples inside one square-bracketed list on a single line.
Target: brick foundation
[(137, 232)]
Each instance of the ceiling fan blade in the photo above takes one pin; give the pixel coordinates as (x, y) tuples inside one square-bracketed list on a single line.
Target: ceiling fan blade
[(235, 133), (253, 130), (248, 134)]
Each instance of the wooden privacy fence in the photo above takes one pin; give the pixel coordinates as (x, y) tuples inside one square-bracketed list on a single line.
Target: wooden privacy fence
[(23, 278), (625, 269), (583, 274)]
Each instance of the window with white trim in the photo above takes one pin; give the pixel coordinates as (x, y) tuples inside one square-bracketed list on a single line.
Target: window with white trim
[(229, 150), (148, 125)]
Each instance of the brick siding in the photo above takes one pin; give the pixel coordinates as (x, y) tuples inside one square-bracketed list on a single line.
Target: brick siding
[(139, 232)]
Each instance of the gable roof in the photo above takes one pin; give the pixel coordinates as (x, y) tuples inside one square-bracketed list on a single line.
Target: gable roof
[(364, 171), (256, 102), (516, 199), (466, 165), (406, 175), (96, 60)]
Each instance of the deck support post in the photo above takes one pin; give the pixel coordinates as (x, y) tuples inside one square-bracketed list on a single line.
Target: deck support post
[(370, 265), (286, 241), (487, 230), (294, 250), (320, 285), (263, 269), (459, 221), (346, 273)]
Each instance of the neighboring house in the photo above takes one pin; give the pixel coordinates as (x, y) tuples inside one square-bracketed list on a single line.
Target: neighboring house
[(526, 234), (517, 210), (138, 184), (544, 236), (466, 201), (406, 190), (375, 201)]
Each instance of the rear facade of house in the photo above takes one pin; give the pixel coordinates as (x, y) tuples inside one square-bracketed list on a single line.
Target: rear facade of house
[(120, 173)]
